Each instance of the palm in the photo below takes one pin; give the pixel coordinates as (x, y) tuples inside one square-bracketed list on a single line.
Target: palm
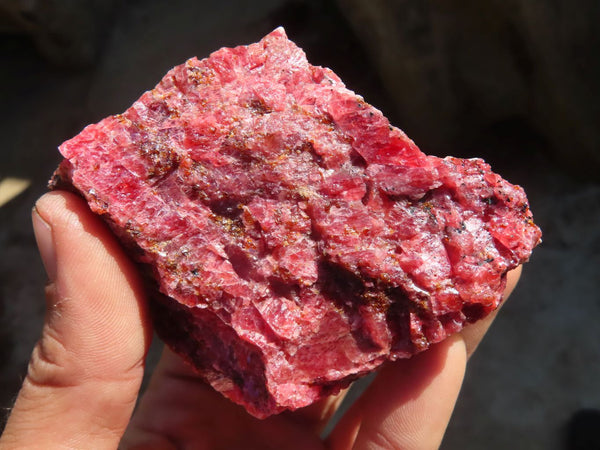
[(180, 409)]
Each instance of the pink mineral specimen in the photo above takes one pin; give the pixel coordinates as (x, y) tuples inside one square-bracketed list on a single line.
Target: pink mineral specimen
[(297, 239)]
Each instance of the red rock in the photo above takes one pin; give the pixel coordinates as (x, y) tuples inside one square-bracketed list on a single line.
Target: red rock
[(297, 239)]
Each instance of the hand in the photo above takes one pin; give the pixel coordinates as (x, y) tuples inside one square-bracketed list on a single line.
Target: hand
[(85, 372)]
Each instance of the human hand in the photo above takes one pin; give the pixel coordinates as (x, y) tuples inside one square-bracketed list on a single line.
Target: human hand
[(85, 372)]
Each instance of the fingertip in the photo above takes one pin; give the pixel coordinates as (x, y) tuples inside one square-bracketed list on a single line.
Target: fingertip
[(45, 243), (512, 278), (89, 261), (57, 205)]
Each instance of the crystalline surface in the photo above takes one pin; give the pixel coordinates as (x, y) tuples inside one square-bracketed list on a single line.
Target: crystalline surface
[(297, 239)]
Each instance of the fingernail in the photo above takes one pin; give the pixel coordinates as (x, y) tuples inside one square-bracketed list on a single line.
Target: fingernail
[(45, 242)]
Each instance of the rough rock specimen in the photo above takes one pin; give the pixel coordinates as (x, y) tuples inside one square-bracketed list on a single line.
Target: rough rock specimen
[(298, 239)]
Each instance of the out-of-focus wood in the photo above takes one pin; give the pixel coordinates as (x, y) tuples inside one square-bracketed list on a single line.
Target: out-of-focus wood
[(12, 187)]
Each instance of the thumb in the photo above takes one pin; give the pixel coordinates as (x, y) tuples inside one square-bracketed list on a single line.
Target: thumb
[(85, 372)]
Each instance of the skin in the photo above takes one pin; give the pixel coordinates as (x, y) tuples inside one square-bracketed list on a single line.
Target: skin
[(85, 372)]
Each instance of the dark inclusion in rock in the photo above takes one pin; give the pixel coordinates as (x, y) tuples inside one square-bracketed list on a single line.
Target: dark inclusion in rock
[(298, 240)]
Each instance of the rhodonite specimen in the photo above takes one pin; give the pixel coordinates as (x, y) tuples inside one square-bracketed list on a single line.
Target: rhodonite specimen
[(296, 238)]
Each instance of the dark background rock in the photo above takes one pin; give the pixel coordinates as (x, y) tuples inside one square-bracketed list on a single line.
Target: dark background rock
[(66, 32), (540, 362), (457, 67)]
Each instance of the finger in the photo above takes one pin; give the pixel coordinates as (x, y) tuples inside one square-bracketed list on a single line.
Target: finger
[(410, 402), (85, 371), (473, 334)]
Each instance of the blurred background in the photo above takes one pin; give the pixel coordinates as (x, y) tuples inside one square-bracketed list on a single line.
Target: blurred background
[(512, 81)]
